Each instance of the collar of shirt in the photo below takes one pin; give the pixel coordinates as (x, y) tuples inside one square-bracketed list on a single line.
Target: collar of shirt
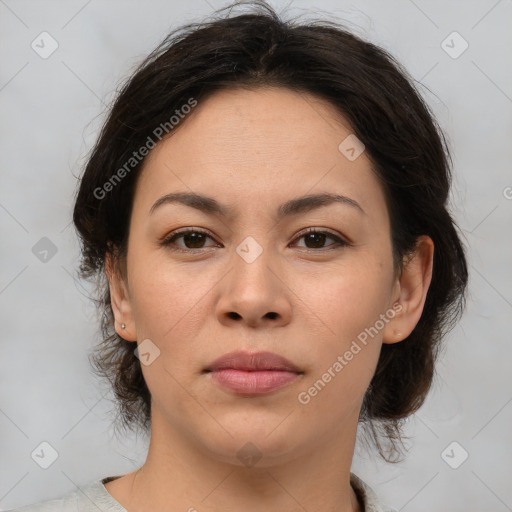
[(93, 496)]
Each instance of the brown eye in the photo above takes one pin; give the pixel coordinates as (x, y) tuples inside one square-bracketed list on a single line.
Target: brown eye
[(315, 239), (192, 239), (195, 239)]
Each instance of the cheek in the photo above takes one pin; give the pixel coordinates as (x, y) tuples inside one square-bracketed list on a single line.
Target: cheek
[(168, 299), (347, 299), (344, 359), (170, 308), (347, 304)]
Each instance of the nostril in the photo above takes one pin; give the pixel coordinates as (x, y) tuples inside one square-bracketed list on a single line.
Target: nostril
[(235, 316)]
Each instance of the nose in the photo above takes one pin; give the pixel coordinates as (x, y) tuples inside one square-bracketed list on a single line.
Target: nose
[(255, 293)]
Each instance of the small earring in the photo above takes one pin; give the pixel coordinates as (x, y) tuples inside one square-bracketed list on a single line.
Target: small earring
[(123, 326)]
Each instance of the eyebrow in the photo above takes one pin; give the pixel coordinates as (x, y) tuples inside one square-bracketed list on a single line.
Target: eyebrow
[(294, 206)]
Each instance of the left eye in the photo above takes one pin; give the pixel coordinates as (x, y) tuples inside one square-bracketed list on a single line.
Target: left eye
[(318, 237), (194, 239)]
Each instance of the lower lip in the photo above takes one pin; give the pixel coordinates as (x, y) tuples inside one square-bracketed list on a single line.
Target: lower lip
[(253, 383)]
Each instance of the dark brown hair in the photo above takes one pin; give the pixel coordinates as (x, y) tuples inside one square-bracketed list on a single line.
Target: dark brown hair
[(362, 82)]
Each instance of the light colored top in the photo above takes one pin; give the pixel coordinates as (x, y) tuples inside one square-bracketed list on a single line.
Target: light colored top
[(94, 497)]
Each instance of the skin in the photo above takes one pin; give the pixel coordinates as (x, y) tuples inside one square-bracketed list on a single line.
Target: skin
[(252, 150)]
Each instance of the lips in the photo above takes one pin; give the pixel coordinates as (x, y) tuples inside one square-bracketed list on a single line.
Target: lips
[(253, 373), (253, 362)]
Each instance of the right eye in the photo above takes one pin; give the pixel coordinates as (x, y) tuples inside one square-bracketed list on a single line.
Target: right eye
[(192, 238)]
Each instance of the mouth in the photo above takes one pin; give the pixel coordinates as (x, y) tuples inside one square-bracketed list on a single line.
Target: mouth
[(253, 374)]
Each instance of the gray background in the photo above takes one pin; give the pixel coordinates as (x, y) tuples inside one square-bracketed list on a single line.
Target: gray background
[(50, 112)]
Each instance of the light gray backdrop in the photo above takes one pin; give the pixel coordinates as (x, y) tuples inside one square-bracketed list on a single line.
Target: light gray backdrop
[(50, 106)]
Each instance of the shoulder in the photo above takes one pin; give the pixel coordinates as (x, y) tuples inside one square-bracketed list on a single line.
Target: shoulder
[(368, 496), (66, 503), (91, 497)]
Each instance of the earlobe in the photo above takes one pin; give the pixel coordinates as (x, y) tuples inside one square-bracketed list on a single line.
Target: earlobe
[(120, 301), (412, 287)]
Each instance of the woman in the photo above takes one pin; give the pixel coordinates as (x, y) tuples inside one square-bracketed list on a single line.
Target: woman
[(265, 212)]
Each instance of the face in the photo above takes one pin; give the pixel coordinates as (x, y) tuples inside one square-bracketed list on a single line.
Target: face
[(201, 283)]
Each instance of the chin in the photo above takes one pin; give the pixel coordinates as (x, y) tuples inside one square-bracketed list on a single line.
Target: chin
[(256, 440)]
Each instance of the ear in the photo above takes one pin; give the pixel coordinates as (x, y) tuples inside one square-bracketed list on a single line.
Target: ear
[(120, 301), (411, 291)]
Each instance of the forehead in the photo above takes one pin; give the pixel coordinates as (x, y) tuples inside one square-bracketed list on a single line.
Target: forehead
[(257, 147)]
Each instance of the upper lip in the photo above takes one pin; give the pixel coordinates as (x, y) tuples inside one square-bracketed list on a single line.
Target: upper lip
[(253, 362)]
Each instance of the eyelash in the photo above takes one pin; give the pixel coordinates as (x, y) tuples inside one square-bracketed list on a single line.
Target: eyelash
[(168, 241)]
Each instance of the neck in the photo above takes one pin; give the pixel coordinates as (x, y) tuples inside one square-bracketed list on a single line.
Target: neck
[(178, 476)]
